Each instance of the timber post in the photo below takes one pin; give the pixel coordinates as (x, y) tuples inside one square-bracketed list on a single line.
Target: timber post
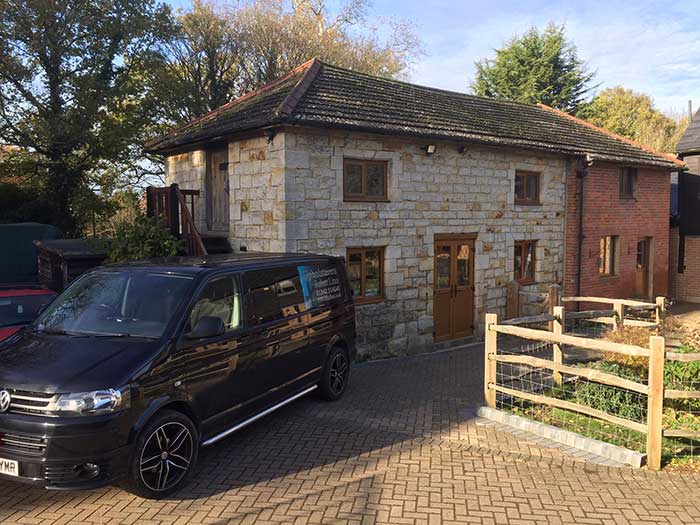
[(554, 299), (557, 355), (655, 402), (619, 321), (660, 309), (490, 364)]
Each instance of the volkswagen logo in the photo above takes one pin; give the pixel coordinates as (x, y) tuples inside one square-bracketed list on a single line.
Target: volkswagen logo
[(4, 400)]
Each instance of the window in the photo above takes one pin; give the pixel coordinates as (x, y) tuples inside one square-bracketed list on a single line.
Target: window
[(608, 255), (364, 180), (628, 183), (524, 261), (220, 298), (527, 187), (366, 273), (275, 293)]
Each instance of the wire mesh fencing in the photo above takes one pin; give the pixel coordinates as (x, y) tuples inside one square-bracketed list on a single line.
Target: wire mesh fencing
[(616, 401)]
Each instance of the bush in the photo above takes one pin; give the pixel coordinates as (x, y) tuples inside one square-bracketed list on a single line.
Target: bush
[(142, 238)]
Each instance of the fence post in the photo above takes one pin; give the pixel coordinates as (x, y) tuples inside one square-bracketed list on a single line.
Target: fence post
[(660, 309), (655, 403), (619, 321), (491, 347), (512, 300), (554, 301), (557, 355)]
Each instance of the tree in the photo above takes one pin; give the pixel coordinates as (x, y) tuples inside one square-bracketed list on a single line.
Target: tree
[(67, 95), (536, 67), (222, 52), (633, 115)]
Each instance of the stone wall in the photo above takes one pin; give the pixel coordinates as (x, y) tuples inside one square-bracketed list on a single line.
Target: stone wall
[(257, 201), (188, 171), (448, 192)]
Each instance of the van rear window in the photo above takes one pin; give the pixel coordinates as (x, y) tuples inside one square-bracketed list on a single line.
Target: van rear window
[(320, 283), (276, 293)]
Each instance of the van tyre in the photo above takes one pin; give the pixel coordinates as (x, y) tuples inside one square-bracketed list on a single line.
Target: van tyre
[(335, 375), (164, 455)]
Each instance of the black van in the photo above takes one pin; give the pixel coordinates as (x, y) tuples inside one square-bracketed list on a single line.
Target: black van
[(134, 367)]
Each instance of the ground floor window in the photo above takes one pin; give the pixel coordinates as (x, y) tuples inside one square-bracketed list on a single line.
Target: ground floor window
[(366, 273), (608, 255), (524, 261)]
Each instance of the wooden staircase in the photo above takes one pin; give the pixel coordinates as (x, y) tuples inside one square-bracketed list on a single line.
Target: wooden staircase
[(176, 208)]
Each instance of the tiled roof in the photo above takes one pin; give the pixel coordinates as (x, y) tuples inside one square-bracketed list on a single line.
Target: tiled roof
[(321, 95), (690, 141)]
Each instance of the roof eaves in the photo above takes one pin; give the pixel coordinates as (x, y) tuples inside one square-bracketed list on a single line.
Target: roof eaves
[(667, 157)]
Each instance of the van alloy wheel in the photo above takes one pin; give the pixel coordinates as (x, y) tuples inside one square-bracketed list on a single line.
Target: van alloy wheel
[(166, 456), (338, 373)]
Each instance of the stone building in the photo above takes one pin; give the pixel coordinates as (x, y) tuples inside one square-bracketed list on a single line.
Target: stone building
[(436, 199)]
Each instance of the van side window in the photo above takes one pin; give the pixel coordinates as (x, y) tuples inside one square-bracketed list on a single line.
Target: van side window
[(220, 298), (275, 293)]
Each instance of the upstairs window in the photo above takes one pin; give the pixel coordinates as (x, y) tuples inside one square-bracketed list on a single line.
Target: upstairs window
[(524, 261), (608, 255), (628, 183), (527, 187), (364, 180)]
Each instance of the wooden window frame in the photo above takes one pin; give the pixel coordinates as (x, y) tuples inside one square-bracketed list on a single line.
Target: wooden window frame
[(624, 173), (525, 201), (363, 197), (613, 252), (522, 245), (362, 299)]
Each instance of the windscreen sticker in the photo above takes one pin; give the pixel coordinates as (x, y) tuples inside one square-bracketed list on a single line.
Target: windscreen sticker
[(320, 285)]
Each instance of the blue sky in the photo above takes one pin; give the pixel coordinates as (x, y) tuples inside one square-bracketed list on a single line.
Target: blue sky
[(649, 46)]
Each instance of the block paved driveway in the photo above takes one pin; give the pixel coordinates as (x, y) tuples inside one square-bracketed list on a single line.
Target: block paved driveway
[(401, 447)]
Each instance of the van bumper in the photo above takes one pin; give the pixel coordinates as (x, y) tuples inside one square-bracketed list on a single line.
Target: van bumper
[(66, 454)]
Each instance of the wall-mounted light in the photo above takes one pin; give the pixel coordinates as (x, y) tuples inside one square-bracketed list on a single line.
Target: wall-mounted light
[(430, 149), (461, 149)]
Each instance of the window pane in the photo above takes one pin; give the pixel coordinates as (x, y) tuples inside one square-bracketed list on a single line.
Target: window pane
[(220, 299), (519, 187), (531, 187), (443, 264), (373, 285), (464, 257), (529, 263), (518, 261), (352, 178), (375, 180), (275, 293), (355, 272), (641, 254)]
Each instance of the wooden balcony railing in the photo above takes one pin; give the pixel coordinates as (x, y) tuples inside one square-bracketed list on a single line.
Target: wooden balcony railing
[(177, 208)]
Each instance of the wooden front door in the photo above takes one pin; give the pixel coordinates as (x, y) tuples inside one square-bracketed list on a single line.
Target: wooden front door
[(217, 190), (643, 252), (453, 297)]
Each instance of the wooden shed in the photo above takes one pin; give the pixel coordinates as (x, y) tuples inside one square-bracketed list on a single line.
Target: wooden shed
[(63, 260)]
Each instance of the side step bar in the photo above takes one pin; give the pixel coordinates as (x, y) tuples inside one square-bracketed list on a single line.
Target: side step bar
[(254, 418)]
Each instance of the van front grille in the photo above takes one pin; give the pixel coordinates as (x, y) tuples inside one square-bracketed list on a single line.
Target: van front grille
[(31, 403)]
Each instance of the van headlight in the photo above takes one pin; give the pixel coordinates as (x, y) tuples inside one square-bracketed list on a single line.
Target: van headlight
[(91, 403)]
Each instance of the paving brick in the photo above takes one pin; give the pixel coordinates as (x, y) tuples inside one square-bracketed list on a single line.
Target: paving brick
[(403, 446)]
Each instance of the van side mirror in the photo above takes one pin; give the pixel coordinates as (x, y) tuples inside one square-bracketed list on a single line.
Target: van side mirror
[(207, 326)]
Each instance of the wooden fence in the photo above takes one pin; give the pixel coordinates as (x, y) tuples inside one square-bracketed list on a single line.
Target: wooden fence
[(655, 353)]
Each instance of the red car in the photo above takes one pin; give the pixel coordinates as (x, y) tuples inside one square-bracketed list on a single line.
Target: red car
[(19, 305)]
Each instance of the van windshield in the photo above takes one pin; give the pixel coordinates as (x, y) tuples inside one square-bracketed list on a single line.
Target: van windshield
[(116, 303)]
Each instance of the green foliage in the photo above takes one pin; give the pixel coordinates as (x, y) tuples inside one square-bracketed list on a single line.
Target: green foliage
[(536, 67), (66, 90), (143, 238), (633, 115)]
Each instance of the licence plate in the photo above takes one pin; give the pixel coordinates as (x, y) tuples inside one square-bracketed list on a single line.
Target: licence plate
[(9, 467)]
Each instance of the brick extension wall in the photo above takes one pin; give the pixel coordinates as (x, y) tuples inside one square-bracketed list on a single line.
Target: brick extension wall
[(606, 214), (685, 286)]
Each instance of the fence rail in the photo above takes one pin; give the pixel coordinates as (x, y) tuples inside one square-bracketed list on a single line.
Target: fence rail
[(653, 390)]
